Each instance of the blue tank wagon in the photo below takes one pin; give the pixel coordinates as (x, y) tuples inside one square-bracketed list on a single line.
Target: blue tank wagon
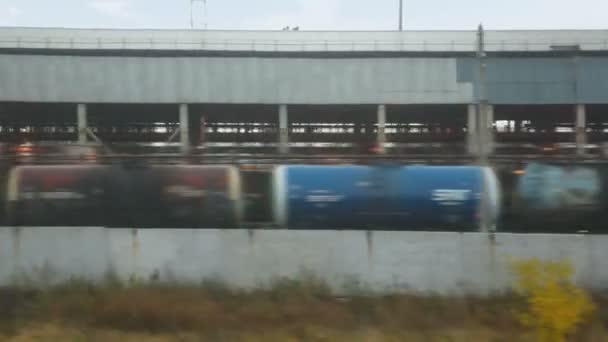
[(385, 197)]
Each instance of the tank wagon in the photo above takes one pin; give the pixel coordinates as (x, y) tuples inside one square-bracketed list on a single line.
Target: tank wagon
[(50, 195), (401, 197), (556, 198), (177, 196), (145, 197), (537, 198), (296, 197)]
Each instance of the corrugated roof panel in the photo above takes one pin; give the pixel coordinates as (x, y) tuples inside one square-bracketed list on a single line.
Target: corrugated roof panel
[(231, 80)]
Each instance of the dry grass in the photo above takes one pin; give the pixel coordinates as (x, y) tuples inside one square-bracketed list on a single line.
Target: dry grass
[(290, 311), (51, 333)]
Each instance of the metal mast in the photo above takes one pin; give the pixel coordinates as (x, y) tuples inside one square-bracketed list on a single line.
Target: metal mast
[(192, 4), (400, 15), (482, 101)]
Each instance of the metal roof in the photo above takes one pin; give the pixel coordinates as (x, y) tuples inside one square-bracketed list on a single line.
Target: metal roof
[(301, 41)]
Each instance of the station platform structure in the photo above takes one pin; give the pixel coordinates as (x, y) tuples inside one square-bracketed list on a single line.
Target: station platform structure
[(273, 94)]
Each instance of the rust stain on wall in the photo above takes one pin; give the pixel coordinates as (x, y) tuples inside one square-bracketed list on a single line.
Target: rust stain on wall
[(369, 237), (16, 252), (134, 243)]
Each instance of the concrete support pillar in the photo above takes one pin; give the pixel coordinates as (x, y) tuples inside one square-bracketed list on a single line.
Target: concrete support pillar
[(381, 136), (472, 130), (184, 130), (581, 125), (283, 129), (485, 147), (485, 131), (81, 110)]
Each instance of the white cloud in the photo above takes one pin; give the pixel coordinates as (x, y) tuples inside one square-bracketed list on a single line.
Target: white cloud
[(113, 8)]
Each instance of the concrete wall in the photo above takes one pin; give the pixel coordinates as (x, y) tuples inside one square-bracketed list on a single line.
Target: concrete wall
[(257, 80), (382, 261), (540, 80), (86, 79)]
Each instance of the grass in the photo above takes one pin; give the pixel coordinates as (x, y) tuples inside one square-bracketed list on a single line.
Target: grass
[(289, 310)]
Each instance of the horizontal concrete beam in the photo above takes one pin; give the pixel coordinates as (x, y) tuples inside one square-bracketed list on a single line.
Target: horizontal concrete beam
[(300, 41)]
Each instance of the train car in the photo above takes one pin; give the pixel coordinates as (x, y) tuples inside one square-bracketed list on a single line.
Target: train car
[(385, 197), (558, 199), (256, 195), (175, 196), (56, 195), (141, 196)]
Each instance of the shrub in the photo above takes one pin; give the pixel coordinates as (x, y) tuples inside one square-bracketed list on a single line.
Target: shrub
[(554, 305)]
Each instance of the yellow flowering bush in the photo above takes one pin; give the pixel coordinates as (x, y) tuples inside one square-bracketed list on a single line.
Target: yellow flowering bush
[(555, 306)]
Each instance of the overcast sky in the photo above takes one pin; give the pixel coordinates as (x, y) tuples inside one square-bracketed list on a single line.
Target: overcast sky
[(308, 14)]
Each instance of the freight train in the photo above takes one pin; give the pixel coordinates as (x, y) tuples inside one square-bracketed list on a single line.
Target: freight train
[(538, 198), (288, 196), (555, 198)]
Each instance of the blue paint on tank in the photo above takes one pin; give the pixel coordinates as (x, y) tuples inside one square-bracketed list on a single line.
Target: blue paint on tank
[(401, 197), (325, 196)]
